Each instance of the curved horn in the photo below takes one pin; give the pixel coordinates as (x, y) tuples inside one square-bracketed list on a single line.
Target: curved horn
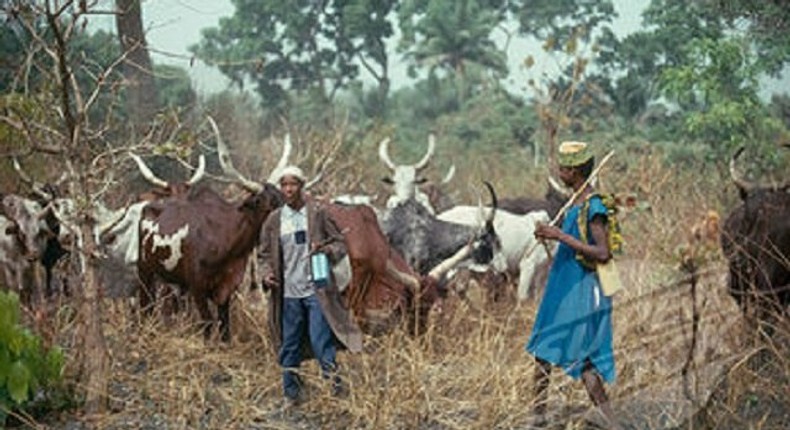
[(147, 173), (287, 147), (35, 186), (402, 277), (743, 186), (425, 159), (494, 203), (440, 269), (557, 187), (384, 153), (227, 164), (449, 176), (199, 172), (314, 181)]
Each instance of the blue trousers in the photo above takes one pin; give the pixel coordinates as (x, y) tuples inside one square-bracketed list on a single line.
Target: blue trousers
[(302, 317)]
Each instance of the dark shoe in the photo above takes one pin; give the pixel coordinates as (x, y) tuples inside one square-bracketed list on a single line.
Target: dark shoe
[(339, 390), (290, 406), (538, 422), (290, 403)]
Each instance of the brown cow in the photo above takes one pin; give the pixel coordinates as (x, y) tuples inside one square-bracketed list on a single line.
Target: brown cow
[(755, 240), (383, 288), (202, 242)]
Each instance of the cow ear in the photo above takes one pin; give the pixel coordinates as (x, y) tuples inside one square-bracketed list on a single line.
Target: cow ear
[(420, 181), (387, 180)]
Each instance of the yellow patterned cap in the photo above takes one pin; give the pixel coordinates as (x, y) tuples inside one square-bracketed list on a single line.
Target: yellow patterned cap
[(572, 153)]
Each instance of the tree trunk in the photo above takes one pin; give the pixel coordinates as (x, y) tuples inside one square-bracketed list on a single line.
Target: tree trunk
[(94, 369), (137, 68)]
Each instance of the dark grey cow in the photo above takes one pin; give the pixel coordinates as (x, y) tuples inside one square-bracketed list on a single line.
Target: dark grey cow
[(755, 239), (553, 201), (425, 241)]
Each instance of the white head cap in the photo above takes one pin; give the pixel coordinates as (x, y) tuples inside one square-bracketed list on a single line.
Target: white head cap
[(294, 171)]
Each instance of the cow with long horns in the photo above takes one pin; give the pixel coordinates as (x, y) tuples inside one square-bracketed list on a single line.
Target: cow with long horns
[(755, 239), (202, 242), (426, 241)]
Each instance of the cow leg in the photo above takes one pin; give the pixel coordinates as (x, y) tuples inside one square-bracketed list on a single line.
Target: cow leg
[(35, 284), (171, 301), (223, 311), (205, 313), (146, 292), (48, 280), (24, 288)]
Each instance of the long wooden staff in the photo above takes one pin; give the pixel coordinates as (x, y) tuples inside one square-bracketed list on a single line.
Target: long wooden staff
[(569, 203)]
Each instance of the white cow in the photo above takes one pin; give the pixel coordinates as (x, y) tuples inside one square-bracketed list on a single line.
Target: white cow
[(522, 253)]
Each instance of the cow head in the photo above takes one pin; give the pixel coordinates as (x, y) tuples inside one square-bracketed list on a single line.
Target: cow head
[(405, 179), (265, 201), (264, 198), (487, 243), (745, 188), (26, 217), (47, 196), (481, 251)]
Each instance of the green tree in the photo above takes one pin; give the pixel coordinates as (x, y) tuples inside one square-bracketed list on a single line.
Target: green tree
[(453, 37), (768, 28), (308, 47), (717, 88), (629, 69), (563, 23), (174, 88)]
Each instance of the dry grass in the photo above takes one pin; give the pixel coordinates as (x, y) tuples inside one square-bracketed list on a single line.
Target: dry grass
[(470, 371)]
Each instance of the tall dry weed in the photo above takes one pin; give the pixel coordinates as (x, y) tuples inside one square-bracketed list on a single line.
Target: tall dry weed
[(470, 370)]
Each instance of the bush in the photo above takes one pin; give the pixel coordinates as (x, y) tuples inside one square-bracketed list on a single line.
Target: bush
[(28, 371)]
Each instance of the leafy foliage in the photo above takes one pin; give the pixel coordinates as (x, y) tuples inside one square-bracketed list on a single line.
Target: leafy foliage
[(560, 23), (299, 46), (717, 87), (452, 35), (768, 27), (174, 87), (631, 67), (26, 367)]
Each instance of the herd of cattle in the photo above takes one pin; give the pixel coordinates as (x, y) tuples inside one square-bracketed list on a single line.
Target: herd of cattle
[(400, 257)]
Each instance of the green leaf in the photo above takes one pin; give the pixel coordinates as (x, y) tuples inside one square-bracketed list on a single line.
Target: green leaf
[(5, 364), (18, 382), (54, 363)]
